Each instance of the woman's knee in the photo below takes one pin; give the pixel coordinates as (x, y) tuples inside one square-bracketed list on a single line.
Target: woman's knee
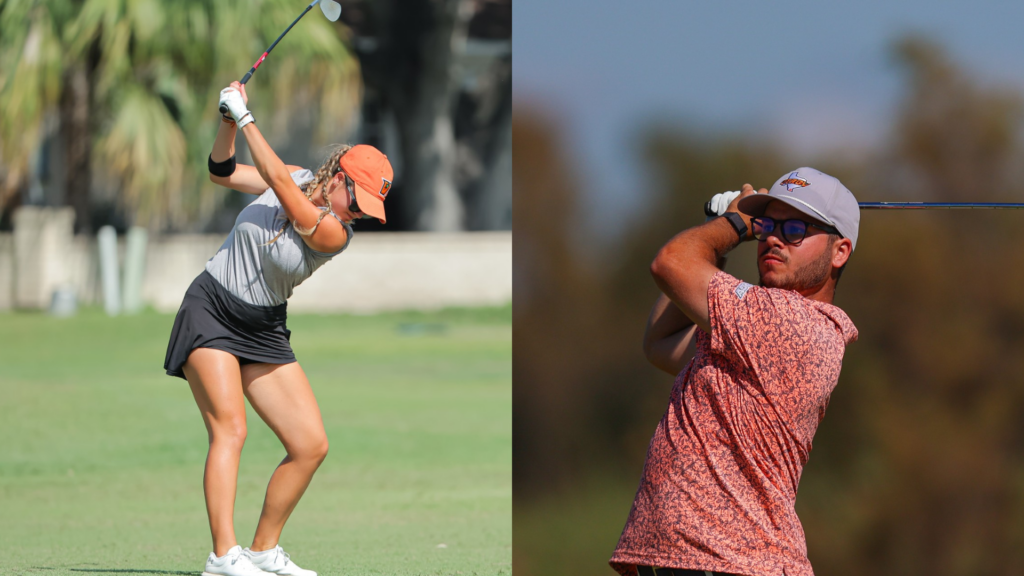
[(229, 432), (312, 450), (322, 448)]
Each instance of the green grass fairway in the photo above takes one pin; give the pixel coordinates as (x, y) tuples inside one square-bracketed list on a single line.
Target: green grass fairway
[(101, 454)]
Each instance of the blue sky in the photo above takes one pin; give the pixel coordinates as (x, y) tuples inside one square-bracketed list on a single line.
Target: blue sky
[(808, 74)]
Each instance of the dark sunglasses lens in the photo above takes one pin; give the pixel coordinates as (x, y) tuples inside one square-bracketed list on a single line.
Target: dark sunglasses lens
[(761, 228), (353, 206), (794, 230)]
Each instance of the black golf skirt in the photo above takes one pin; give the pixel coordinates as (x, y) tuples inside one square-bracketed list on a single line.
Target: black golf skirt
[(212, 317)]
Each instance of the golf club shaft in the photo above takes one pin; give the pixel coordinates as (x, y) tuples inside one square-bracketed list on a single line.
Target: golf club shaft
[(224, 109), (941, 206), (260, 61), (922, 206)]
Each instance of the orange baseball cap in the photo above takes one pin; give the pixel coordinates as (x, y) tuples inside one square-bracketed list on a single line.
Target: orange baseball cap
[(372, 173)]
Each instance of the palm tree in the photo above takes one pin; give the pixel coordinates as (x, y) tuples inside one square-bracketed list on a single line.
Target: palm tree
[(151, 71), (31, 65)]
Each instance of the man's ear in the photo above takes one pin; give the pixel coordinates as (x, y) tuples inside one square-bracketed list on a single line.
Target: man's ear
[(841, 251)]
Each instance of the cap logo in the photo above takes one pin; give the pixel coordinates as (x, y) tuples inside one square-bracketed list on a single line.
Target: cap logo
[(385, 187), (794, 182)]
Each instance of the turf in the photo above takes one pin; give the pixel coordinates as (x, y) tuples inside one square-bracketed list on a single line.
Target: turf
[(102, 454)]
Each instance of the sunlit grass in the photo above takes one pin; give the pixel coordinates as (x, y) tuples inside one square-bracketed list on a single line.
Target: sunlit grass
[(102, 458)]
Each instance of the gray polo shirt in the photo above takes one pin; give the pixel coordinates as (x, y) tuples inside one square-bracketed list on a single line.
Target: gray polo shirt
[(265, 274)]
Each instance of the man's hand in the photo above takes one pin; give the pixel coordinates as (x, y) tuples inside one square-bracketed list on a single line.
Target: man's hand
[(733, 206), (720, 203)]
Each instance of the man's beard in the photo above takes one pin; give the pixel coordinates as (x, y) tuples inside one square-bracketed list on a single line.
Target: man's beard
[(812, 275)]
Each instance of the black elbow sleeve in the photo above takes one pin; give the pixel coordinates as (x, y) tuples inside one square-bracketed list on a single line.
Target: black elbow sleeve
[(223, 169)]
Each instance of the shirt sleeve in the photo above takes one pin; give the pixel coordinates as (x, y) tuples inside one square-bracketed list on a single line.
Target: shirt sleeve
[(302, 176), (348, 238), (751, 324)]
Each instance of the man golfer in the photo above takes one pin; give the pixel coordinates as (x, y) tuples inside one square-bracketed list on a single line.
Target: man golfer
[(719, 484)]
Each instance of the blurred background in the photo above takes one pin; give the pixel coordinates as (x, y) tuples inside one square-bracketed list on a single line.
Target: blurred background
[(628, 117), (108, 111)]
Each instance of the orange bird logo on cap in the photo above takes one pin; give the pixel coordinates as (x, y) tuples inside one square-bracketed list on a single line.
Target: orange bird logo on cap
[(794, 182), (384, 188)]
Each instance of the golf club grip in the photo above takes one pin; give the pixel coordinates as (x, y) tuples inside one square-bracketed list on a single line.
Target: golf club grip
[(223, 107), (707, 209)]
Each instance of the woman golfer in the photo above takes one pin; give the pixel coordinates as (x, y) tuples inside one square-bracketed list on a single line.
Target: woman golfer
[(229, 337)]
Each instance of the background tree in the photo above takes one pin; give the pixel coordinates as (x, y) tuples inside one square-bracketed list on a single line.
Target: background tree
[(916, 467), (136, 83), (31, 66), (452, 122)]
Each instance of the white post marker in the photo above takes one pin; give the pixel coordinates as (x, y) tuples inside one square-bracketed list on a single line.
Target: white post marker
[(106, 238), (64, 302), (134, 268)]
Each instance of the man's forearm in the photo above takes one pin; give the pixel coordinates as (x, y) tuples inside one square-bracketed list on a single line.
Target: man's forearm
[(721, 239), (668, 336), (666, 319), (708, 243), (684, 267)]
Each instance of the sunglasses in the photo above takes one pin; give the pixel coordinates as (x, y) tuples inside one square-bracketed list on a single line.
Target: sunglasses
[(353, 206), (793, 230)]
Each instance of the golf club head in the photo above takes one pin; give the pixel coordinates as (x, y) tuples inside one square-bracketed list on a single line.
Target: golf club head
[(331, 9)]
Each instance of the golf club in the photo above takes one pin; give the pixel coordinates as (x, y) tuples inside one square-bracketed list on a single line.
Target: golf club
[(922, 206), (940, 205), (330, 8)]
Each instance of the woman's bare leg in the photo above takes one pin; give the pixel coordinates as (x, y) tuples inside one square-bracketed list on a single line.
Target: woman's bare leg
[(281, 395), (216, 382)]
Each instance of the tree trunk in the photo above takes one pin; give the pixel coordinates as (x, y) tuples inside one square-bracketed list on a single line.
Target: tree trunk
[(490, 205), (488, 199), (411, 72), (74, 121)]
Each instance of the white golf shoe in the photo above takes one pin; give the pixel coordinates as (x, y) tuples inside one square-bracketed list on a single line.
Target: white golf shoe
[(276, 561), (234, 563)]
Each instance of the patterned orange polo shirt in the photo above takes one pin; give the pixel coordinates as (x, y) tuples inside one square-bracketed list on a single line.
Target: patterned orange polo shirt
[(720, 480)]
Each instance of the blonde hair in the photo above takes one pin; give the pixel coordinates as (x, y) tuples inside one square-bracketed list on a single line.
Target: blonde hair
[(330, 168)]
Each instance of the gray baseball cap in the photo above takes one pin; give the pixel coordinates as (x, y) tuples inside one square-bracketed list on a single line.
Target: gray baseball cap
[(816, 194)]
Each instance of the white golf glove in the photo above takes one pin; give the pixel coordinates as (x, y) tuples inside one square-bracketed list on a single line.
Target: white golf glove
[(232, 99), (720, 202)]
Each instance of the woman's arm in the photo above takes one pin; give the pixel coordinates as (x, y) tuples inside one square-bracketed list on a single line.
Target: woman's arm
[(245, 178), (329, 235), (224, 145)]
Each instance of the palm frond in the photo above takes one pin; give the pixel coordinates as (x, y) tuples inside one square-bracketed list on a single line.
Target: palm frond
[(161, 65), (312, 68), (147, 150), (32, 57)]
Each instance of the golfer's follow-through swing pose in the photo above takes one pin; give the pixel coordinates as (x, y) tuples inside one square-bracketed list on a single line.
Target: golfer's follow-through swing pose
[(229, 338), (719, 484)]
